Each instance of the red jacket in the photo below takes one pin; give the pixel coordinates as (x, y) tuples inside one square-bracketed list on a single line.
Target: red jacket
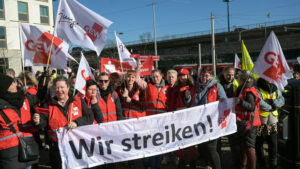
[(23, 126), (155, 101), (242, 114)]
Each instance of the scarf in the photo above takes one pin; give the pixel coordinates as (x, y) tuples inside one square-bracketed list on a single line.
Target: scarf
[(14, 99)]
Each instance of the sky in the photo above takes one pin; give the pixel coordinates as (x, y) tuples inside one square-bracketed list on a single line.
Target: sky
[(173, 17)]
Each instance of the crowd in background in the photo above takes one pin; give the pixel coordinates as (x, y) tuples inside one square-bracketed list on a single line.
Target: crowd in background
[(44, 102)]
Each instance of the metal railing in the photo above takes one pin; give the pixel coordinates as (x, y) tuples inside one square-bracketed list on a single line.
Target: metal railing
[(208, 32)]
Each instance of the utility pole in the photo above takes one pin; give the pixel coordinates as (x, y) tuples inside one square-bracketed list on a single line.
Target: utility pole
[(213, 48), (199, 50), (154, 27)]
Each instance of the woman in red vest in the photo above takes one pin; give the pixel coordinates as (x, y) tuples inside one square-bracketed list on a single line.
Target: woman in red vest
[(184, 84), (207, 90), (247, 116), (132, 97), (92, 101), (17, 109), (62, 110), (156, 99), (109, 103)]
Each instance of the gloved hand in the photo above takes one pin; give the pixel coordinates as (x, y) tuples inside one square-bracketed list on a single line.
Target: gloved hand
[(274, 107), (46, 73)]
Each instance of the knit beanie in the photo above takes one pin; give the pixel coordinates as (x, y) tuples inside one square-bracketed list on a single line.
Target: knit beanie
[(5, 82)]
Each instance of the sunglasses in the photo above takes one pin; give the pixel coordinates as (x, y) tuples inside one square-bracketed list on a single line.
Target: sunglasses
[(103, 81)]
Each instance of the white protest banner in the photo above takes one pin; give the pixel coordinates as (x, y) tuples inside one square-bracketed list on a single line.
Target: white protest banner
[(35, 48), (84, 73), (79, 25), (93, 145), (271, 64), (124, 54)]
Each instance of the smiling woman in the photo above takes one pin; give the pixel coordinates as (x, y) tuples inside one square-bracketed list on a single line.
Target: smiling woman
[(63, 110)]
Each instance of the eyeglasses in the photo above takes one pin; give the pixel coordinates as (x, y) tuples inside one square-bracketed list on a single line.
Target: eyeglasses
[(103, 81)]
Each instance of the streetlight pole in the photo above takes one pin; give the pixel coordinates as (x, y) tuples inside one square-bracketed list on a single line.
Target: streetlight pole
[(268, 16), (154, 27), (228, 16)]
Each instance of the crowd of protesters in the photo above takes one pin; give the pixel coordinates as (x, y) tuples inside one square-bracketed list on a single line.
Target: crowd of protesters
[(46, 102)]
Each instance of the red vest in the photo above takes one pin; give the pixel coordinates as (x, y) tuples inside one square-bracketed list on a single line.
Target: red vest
[(155, 101), (32, 90), (212, 95), (132, 111), (180, 97), (109, 109), (242, 114), (23, 126), (58, 120)]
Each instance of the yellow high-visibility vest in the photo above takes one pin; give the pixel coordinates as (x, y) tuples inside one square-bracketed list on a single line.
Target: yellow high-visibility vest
[(235, 83), (265, 95)]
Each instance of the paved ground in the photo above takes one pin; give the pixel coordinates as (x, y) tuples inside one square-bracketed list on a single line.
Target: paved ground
[(225, 155)]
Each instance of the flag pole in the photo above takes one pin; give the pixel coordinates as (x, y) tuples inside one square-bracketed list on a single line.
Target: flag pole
[(22, 62), (49, 56)]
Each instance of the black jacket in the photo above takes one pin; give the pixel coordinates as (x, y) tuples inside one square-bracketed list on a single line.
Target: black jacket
[(87, 115)]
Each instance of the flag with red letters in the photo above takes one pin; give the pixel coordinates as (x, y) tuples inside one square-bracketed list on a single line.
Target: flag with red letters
[(35, 48), (79, 25), (271, 64), (84, 73)]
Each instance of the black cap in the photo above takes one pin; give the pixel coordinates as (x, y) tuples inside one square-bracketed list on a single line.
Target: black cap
[(5, 82)]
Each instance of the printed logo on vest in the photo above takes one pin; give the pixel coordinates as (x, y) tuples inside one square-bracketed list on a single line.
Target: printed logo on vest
[(24, 106), (75, 111)]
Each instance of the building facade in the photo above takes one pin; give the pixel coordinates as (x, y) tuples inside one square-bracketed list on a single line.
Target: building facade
[(13, 12)]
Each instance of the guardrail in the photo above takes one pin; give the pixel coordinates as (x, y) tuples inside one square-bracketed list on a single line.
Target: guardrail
[(208, 32)]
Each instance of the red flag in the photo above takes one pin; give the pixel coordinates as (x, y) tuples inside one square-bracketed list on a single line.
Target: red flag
[(112, 65), (147, 67)]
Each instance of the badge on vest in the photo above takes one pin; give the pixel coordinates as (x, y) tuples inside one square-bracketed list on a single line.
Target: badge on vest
[(75, 111), (24, 106)]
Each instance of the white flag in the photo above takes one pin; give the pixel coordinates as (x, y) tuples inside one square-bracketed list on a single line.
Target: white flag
[(271, 64), (78, 25), (237, 62), (298, 58), (35, 47), (124, 54), (84, 73), (68, 69)]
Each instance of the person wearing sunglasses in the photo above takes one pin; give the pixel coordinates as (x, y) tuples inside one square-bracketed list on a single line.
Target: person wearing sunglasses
[(109, 103)]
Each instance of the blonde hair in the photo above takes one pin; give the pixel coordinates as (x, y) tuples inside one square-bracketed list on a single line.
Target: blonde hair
[(30, 78)]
